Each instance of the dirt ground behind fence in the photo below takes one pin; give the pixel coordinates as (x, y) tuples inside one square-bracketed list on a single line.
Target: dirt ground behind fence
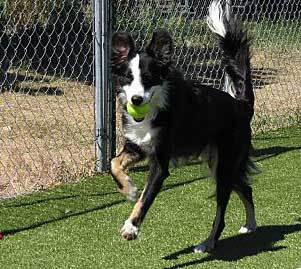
[(47, 130)]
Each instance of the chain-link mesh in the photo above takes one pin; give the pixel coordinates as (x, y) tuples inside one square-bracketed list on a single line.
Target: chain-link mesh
[(46, 93), (276, 64), (46, 75)]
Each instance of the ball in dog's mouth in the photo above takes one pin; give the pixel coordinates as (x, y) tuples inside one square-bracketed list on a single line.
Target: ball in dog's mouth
[(138, 112)]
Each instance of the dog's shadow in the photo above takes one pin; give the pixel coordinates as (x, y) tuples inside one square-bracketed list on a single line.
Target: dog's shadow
[(240, 246)]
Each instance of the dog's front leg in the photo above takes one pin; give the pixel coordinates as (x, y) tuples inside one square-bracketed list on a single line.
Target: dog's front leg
[(130, 155), (158, 172)]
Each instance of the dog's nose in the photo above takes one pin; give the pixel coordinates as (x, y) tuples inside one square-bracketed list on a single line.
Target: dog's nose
[(137, 100)]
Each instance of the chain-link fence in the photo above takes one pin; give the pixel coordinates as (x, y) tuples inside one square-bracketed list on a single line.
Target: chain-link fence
[(46, 93), (46, 75)]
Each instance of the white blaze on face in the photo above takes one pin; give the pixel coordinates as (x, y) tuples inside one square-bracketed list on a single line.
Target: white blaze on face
[(136, 87)]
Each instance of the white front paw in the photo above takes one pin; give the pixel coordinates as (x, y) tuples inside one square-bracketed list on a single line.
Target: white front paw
[(129, 231)]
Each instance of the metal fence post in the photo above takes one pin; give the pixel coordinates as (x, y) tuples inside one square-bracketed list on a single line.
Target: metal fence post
[(101, 27), (111, 86)]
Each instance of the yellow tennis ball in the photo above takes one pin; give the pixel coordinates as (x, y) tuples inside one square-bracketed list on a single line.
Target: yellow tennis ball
[(138, 112)]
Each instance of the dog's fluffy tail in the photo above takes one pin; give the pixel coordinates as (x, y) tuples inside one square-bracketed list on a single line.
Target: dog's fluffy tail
[(234, 44)]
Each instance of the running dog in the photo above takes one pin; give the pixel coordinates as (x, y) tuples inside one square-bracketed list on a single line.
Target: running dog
[(186, 118)]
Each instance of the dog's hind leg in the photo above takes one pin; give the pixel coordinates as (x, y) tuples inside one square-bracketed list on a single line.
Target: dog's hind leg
[(222, 199), (130, 155), (244, 192), (221, 165)]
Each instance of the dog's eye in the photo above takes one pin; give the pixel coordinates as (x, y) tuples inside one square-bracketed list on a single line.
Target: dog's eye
[(126, 78), (148, 80), (146, 77)]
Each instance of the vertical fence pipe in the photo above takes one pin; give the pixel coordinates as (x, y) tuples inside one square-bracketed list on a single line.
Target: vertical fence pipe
[(111, 86), (101, 83)]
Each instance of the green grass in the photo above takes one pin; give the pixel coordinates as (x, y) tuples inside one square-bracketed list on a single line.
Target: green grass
[(77, 226)]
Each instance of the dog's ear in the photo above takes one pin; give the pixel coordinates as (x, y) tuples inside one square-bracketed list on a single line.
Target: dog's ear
[(161, 47), (123, 48)]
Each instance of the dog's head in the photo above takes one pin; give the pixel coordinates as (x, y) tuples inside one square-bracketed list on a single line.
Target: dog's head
[(141, 74)]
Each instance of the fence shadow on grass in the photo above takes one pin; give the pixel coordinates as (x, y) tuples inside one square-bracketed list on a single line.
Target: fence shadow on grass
[(237, 247), (62, 217), (81, 211), (174, 163), (80, 195), (64, 197), (182, 183)]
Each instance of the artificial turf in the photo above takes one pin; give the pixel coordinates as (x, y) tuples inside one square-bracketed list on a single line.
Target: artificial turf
[(77, 226)]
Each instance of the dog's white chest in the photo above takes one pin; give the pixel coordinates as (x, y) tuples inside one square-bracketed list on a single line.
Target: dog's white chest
[(140, 133)]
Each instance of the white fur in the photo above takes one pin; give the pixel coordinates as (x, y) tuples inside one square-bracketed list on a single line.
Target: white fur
[(216, 22), (229, 86), (246, 230), (140, 133), (136, 87), (215, 18), (129, 228)]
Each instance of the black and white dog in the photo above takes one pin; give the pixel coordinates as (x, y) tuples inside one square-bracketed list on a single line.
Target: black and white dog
[(186, 119)]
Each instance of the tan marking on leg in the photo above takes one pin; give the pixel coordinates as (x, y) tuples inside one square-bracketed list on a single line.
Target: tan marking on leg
[(118, 166), (136, 212), (130, 229)]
